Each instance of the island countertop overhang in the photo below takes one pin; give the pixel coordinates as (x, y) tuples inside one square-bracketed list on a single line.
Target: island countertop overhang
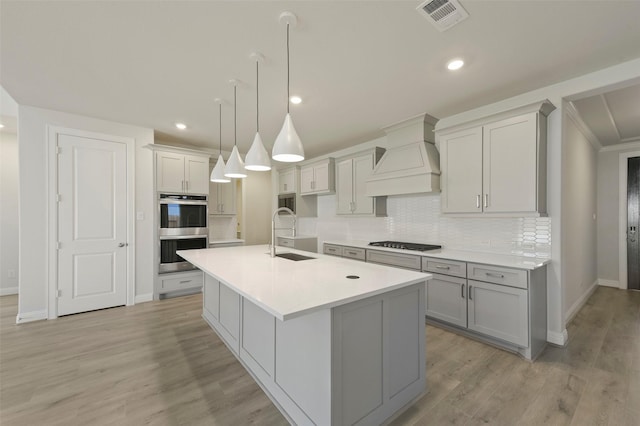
[(289, 289)]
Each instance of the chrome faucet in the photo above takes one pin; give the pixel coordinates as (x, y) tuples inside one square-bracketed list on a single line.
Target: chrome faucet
[(273, 227)]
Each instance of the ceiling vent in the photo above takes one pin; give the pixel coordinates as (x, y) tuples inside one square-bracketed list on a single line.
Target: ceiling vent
[(444, 14)]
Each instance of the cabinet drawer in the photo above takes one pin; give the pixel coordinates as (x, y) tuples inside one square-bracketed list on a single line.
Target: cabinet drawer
[(286, 242), (447, 267), (181, 283), (333, 249), (354, 253), (399, 260), (497, 275)]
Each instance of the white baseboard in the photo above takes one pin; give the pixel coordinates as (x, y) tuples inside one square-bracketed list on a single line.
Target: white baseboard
[(573, 310), (8, 291), (141, 298), (556, 338), (608, 283), (31, 316)]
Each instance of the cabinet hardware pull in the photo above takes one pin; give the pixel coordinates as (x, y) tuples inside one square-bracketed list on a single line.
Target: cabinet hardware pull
[(490, 274), (183, 185), (285, 186), (187, 182), (462, 291), (478, 201), (185, 281), (442, 267), (352, 253), (486, 200), (470, 289)]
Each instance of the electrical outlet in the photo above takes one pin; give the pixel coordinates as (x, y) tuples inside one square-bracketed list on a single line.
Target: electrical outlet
[(11, 273)]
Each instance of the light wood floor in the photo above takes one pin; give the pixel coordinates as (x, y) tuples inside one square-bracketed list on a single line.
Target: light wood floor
[(159, 363)]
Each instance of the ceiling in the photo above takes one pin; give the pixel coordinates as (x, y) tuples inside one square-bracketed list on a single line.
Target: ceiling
[(358, 66), (613, 117)]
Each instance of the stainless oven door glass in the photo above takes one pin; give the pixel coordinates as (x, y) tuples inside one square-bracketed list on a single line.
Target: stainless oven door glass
[(183, 216), (169, 259)]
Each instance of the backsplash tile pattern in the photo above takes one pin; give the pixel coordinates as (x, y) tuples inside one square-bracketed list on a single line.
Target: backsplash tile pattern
[(417, 218)]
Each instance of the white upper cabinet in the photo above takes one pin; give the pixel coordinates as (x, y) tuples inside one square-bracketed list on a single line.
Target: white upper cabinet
[(318, 178), (287, 179), (497, 167), (351, 178), (222, 198), (182, 173)]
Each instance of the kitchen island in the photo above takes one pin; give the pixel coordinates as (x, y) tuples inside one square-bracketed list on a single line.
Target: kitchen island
[(331, 341)]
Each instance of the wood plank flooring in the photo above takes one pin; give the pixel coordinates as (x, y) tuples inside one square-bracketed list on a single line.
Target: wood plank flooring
[(159, 363)]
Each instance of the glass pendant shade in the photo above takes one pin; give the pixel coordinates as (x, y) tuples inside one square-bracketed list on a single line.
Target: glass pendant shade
[(235, 165), (217, 174), (257, 158), (288, 146)]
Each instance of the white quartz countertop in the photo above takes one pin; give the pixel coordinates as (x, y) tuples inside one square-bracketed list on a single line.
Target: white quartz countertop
[(288, 289), (508, 261)]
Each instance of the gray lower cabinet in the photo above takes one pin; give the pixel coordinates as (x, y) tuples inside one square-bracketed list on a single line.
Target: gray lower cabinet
[(446, 299)]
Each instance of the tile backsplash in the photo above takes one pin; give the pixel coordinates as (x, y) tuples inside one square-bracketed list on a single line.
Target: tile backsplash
[(417, 218)]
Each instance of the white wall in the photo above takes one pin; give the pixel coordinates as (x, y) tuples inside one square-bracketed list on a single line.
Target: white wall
[(579, 182), (256, 207), (8, 213), (609, 213), (33, 140)]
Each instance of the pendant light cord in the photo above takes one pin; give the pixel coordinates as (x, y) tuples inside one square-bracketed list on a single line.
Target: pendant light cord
[(235, 119), (220, 128), (288, 96), (257, 99)]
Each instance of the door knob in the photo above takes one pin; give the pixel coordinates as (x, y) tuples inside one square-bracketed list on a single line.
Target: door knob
[(122, 244)]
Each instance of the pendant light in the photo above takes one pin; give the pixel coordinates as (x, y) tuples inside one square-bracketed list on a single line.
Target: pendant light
[(288, 146), (257, 158), (235, 165), (217, 174)]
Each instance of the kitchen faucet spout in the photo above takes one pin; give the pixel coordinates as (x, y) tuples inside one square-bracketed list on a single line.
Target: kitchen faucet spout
[(273, 227)]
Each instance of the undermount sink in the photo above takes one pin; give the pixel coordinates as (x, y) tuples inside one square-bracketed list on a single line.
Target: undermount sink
[(294, 256)]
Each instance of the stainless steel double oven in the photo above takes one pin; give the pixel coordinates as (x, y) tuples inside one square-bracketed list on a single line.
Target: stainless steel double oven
[(183, 226)]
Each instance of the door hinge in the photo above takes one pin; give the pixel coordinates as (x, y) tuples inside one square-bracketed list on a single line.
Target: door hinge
[(59, 293), (58, 198), (58, 245), (58, 150)]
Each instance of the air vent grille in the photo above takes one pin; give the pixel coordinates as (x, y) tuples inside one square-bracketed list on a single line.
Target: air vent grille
[(443, 13)]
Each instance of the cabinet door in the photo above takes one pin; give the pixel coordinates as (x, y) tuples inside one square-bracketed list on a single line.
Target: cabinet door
[(196, 174), (461, 163), (344, 186), (510, 164), (230, 317), (307, 180), (321, 177), (286, 181), (446, 299), (211, 297), (170, 172), (499, 311), (214, 204), (227, 197), (362, 169)]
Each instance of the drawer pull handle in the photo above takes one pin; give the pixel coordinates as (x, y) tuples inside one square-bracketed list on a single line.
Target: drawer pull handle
[(185, 281), (490, 274), (462, 291), (352, 253), (442, 267), (470, 289)]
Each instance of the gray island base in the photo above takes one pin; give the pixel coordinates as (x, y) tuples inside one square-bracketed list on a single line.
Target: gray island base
[(326, 349)]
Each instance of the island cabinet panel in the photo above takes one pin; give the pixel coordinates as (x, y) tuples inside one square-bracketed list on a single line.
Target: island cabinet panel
[(303, 365), (446, 299), (211, 298), (258, 336), (230, 317), (499, 311)]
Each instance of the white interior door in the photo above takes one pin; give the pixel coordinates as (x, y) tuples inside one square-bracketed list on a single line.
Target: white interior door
[(92, 224)]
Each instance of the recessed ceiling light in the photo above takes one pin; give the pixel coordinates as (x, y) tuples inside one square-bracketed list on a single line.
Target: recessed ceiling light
[(1, 126), (181, 126), (296, 99), (455, 64)]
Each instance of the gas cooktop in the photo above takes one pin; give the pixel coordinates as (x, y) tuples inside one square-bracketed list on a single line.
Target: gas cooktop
[(405, 246)]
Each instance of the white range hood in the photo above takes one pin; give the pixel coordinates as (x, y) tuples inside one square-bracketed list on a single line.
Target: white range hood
[(411, 163)]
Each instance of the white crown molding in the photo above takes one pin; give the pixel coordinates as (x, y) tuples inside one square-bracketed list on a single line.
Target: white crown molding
[(574, 115), (621, 147)]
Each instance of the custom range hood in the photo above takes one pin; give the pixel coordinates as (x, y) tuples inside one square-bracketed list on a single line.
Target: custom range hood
[(411, 163)]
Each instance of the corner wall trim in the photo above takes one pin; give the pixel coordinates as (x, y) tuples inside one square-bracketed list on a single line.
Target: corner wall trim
[(608, 283), (556, 338), (141, 298), (8, 291), (31, 316)]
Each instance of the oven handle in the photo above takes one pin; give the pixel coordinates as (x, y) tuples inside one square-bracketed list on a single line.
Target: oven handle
[(182, 237), (185, 202)]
